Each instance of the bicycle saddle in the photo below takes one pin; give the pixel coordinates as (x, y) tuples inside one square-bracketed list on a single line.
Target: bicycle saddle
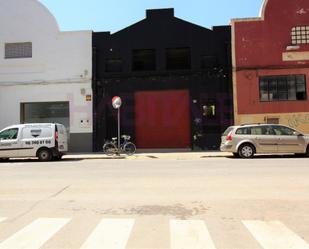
[(114, 138), (126, 137)]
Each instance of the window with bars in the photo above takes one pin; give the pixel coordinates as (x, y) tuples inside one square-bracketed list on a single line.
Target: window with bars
[(18, 50), (283, 88), (300, 35)]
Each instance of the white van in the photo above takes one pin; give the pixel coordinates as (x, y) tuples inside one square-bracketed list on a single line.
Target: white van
[(45, 141)]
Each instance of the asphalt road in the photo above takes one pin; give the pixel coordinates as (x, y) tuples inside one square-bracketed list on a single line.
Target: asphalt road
[(155, 203)]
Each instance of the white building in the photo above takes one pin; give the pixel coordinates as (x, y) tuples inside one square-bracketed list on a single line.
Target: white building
[(45, 74)]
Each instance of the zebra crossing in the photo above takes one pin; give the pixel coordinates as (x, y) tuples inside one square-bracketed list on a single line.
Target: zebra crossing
[(274, 234), (35, 234), (184, 234), (110, 233)]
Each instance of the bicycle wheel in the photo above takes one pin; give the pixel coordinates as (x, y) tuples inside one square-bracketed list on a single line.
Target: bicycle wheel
[(129, 148), (109, 149)]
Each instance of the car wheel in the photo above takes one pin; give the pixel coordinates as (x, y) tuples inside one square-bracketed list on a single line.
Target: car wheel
[(4, 159), (44, 155), (246, 151)]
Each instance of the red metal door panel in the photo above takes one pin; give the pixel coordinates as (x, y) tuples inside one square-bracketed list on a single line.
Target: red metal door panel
[(162, 119)]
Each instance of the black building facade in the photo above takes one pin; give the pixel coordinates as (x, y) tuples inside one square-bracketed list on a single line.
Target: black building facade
[(174, 78)]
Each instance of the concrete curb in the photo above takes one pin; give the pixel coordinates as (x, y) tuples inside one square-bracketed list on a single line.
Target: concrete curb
[(150, 156)]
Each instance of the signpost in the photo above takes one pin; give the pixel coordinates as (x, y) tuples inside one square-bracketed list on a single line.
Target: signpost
[(116, 102)]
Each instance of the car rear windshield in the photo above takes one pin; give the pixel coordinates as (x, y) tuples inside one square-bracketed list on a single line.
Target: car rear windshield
[(227, 131)]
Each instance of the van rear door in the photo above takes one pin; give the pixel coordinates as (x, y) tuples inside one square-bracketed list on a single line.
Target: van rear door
[(62, 138)]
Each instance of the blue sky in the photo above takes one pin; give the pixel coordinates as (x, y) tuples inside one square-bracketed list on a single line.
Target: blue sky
[(113, 15)]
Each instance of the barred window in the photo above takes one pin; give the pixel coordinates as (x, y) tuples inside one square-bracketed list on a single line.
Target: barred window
[(300, 35), (18, 50), (283, 88)]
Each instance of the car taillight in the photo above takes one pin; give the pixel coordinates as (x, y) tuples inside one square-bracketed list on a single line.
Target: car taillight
[(229, 137)]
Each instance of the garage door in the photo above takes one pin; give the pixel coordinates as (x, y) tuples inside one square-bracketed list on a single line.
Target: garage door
[(162, 119)]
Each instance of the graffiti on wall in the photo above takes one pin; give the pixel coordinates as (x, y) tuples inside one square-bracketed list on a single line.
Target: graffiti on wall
[(297, 120)]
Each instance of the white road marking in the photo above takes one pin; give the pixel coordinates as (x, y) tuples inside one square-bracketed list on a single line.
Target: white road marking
[(274, 235), (110, 234), (190, 234), (2, 219), (34, 235)]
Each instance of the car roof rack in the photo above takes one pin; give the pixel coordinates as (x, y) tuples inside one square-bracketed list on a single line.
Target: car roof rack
[(252, 124)]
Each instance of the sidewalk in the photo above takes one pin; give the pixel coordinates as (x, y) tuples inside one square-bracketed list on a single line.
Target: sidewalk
[(151, 156)]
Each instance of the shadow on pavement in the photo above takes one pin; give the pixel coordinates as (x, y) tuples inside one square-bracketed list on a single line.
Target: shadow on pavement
[(269, 157), (34, 160)]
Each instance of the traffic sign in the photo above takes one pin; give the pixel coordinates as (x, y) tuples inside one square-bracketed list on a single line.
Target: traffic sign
[(116, 102)]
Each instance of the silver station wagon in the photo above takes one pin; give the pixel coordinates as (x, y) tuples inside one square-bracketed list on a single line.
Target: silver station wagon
[(247, 140)]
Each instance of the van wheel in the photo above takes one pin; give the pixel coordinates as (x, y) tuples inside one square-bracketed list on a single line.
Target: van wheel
[(4, 159), (246, 151), (44, 155)]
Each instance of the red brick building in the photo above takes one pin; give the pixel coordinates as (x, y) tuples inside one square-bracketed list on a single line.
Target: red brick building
[(271, 65)]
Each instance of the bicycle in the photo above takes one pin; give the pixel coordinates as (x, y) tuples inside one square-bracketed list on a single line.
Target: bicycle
[(111, 147)]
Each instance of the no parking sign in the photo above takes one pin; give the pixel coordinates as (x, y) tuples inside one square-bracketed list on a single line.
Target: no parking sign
[(116, 102)]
